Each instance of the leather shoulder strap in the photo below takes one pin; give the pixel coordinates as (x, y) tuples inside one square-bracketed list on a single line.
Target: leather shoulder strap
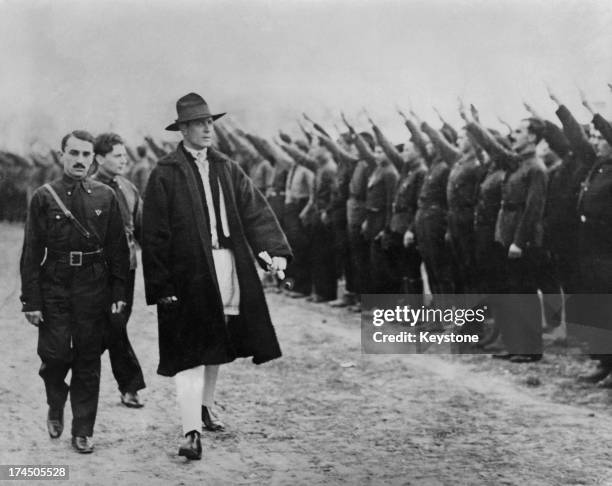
[(80, 228)]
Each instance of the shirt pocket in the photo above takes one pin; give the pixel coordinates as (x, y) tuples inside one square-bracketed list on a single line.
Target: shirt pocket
[(57, 223)]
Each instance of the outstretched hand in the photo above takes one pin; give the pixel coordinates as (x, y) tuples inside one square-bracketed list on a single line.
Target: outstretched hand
[(462, 112), (552, 95), (475, 113), (585, 102), (401, 113)]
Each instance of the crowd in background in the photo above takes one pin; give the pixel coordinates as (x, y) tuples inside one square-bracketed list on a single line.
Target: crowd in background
[(457, 210)]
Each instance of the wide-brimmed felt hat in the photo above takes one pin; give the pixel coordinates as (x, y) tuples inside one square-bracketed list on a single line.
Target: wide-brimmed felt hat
[(191, 107)]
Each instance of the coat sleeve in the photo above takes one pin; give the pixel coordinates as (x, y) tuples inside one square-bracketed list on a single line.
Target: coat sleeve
[(156, 239), (534, 208), (32, 255), (556, 139), (448, 152), (507, 159), (261, 227), (364, 151), (138, 219), (604, 127), (576, 136), (417, 139), (390, 151), (117, 252), (339, 153)]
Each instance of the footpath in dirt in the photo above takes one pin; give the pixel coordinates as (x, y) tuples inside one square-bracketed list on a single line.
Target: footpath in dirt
[(322, 414)]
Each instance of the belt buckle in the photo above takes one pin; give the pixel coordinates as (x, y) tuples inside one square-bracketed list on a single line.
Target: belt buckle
[(76, 258)]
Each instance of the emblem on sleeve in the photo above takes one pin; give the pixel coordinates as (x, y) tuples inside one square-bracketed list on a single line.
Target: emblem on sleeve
[(98, 212)]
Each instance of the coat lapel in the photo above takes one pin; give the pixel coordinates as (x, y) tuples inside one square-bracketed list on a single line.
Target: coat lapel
[(200, 216)]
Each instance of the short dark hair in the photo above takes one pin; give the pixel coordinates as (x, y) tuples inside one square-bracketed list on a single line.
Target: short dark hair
[(80, 134), (105, 142), (536, 127)]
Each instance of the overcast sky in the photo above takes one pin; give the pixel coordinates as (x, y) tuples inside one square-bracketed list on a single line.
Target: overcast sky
[(121, 65)]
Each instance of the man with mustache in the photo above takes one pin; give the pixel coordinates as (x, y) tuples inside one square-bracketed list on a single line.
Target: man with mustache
[(73, 270)]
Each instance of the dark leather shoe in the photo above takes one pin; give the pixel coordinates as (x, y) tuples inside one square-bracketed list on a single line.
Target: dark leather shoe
[(131, 400), (502, 356), (210, 420), (191, 447), (525, 358), (82, 444), (596, 376), (55, 422)]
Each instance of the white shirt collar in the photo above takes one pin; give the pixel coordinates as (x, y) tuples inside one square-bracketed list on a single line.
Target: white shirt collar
[(199, 155)]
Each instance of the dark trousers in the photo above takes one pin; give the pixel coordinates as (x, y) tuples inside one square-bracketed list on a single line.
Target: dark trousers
[(589, 308), (430, 229), (84, 390), (359, 249), (323, 260), (124, 363), (518, 306), (342, 251), (299, 238), (461, 230), (490, 262)]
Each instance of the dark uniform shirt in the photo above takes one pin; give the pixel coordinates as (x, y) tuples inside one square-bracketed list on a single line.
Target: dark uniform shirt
[(433, 190), (379, 197), (523, 197), (49, 233), (406, 198), (130, 205), (462, 186), (595, 204), (489, 200)]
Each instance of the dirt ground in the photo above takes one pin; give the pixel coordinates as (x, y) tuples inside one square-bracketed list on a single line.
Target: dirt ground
[(323, 414)]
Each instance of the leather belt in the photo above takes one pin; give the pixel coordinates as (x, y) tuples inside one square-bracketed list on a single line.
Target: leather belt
[(76, 258)]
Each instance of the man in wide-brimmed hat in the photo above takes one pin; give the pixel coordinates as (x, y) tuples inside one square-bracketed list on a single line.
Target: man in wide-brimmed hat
[(202, 221)]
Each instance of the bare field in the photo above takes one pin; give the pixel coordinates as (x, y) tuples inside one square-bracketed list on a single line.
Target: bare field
[(322, 414)]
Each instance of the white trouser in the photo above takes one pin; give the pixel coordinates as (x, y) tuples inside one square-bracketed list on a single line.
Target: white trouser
[(196, 386)]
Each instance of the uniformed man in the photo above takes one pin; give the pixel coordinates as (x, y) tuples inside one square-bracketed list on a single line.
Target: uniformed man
[(461, 194), (111, 157), (356, 212), (344, 154), (380, 193), (322, 255), (592, 312), (519, 231), (405, 261), (431, 217), (74, 268), (298, 192)]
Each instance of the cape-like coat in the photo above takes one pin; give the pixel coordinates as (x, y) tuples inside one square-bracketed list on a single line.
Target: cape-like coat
[(177, 260)]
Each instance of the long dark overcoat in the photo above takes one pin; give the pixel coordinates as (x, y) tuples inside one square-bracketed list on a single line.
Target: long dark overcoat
[(177, 260)]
